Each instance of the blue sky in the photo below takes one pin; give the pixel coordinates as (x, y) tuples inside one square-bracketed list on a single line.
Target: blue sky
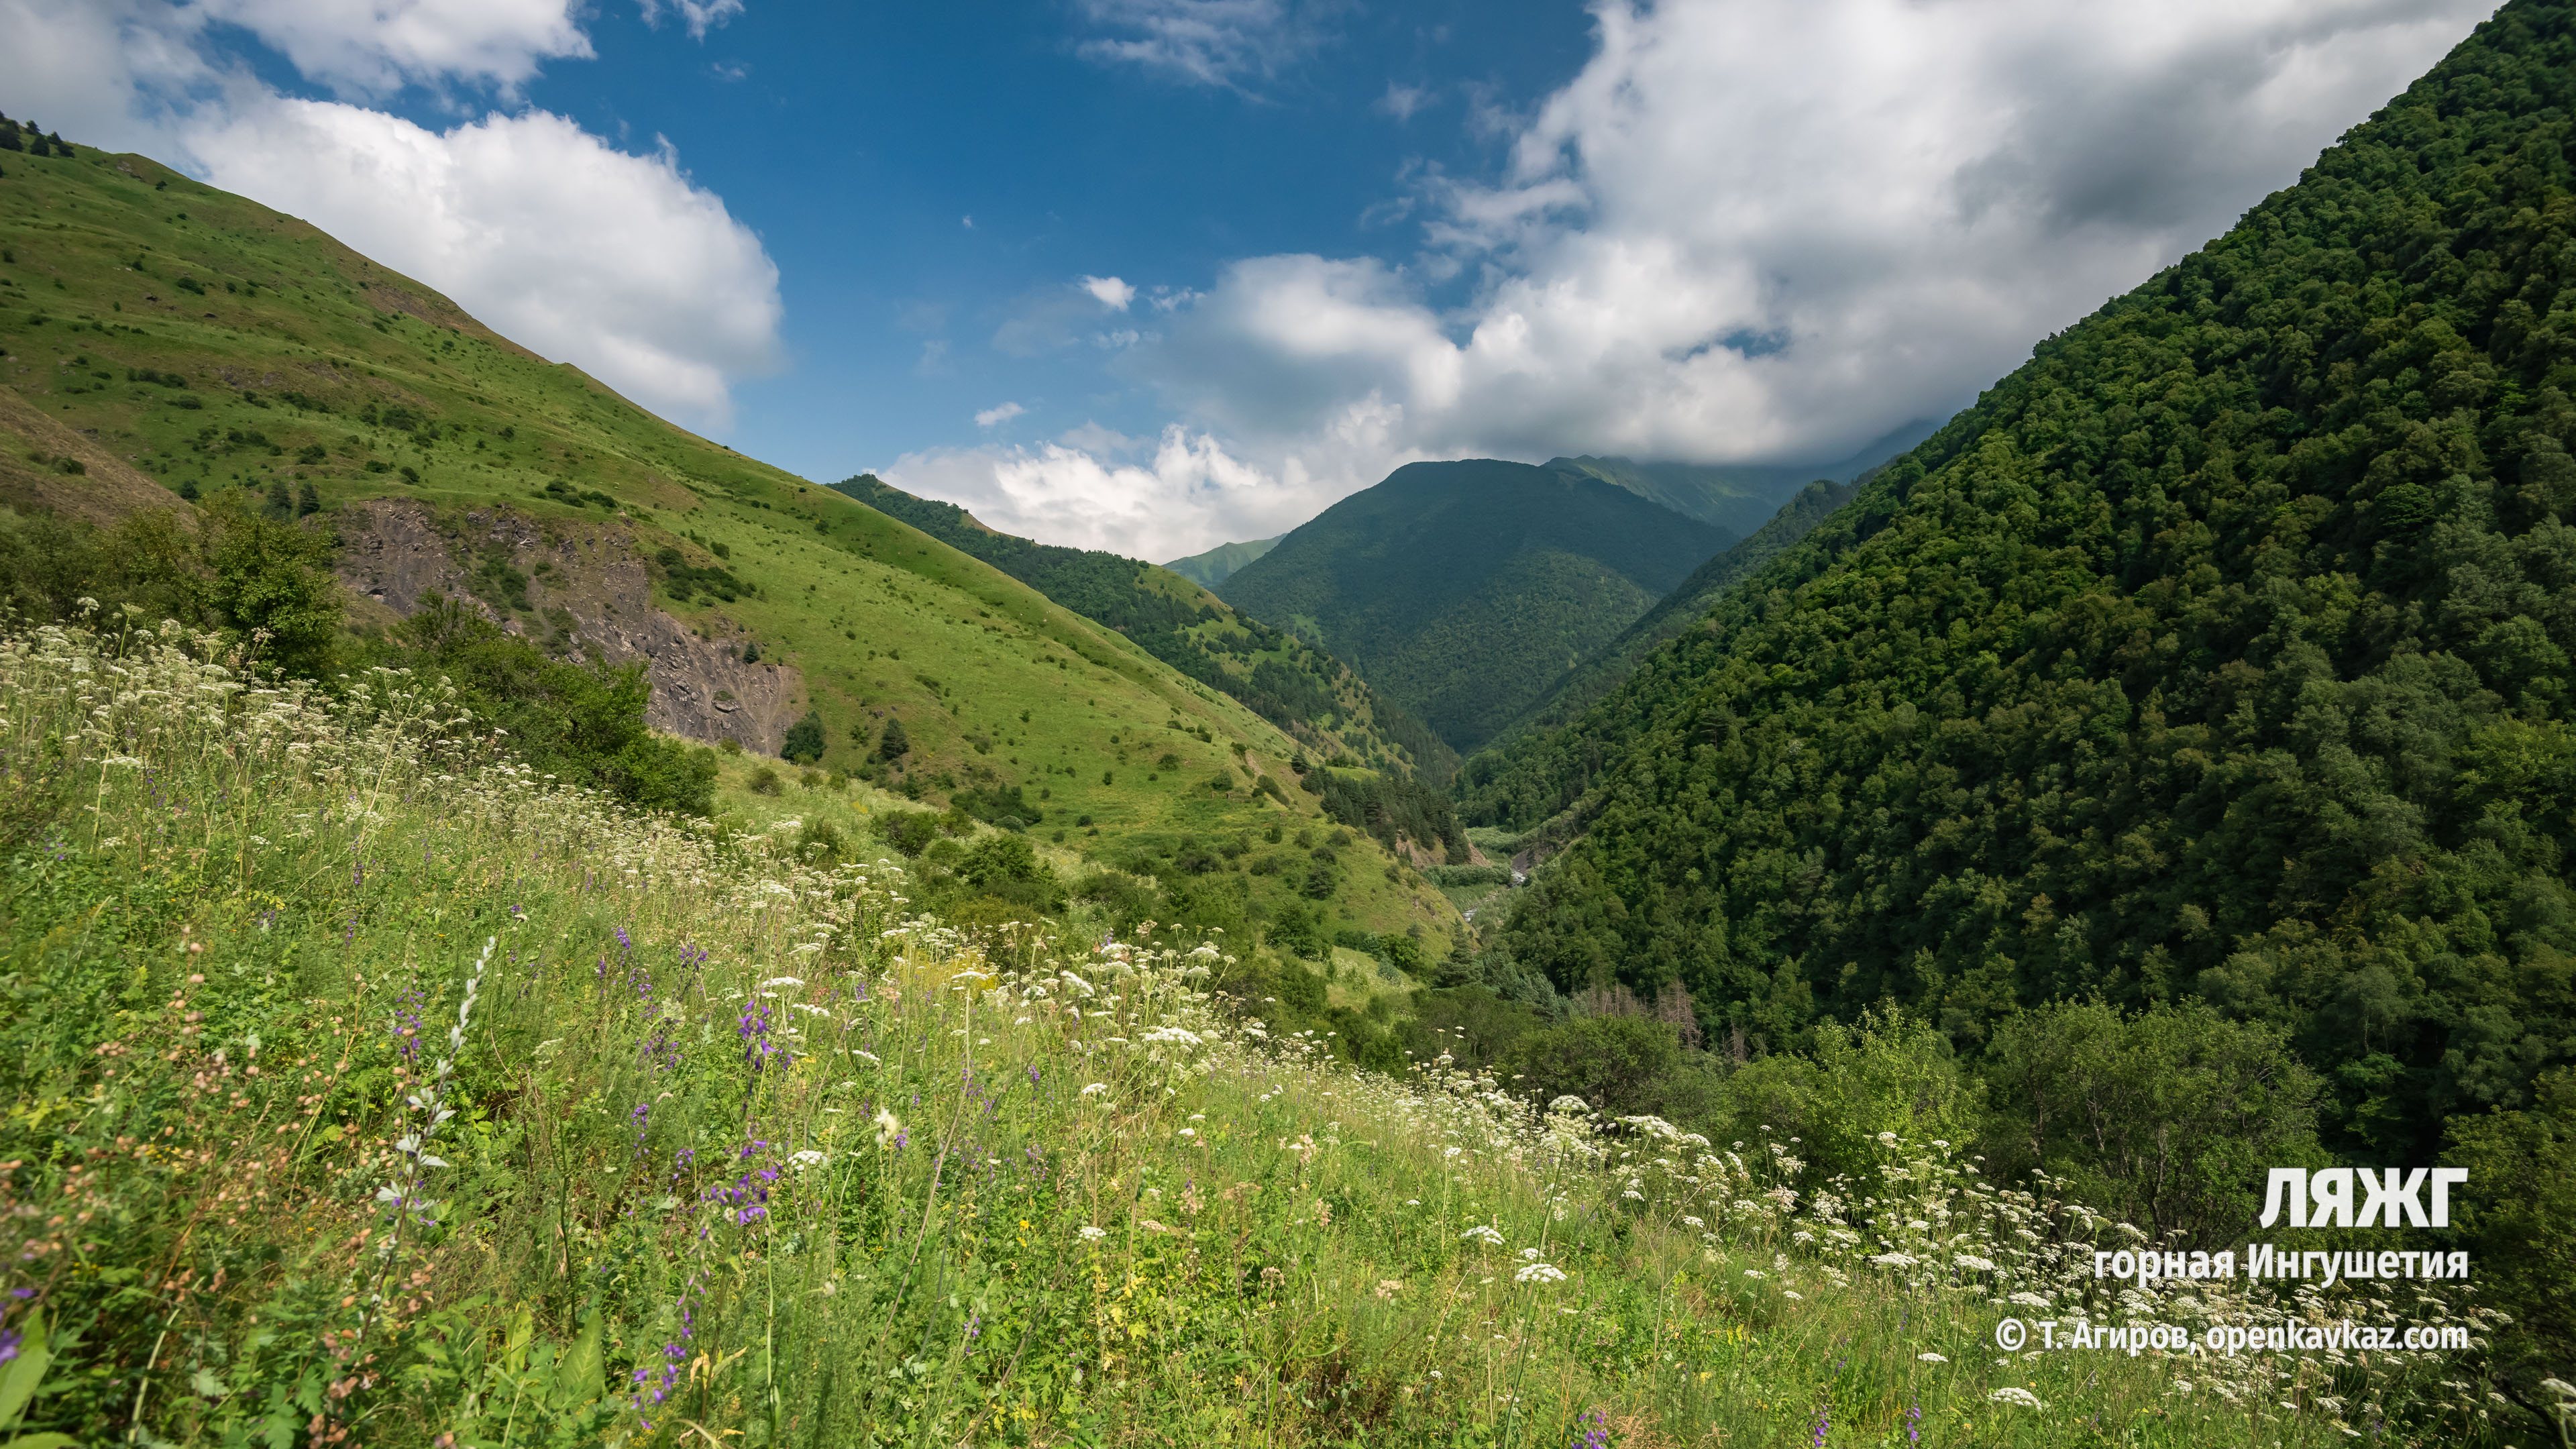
[(1230, 260), (859, 143)]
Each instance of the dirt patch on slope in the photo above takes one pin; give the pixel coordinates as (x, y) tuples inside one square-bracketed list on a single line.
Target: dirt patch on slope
[(593, 595), (107, 489)]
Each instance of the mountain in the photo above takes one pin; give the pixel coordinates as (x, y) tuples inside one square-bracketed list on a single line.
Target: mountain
[(1507, 755), (179, 354), (1209, 569), (1740, 497), (2221, 651), (1463, 590), (1286, 681)]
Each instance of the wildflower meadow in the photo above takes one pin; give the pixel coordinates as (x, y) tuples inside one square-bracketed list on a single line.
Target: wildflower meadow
[(367, 1087)]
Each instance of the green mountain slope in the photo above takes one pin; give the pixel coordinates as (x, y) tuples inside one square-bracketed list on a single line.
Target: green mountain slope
[(1739, 497), (1209, 569), (1286, 681), (1463, 590), (165, 339), (1608, 666), (2221, 650)]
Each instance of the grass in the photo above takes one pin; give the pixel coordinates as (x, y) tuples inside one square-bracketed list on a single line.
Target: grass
[(363, 1088), (296, 360)]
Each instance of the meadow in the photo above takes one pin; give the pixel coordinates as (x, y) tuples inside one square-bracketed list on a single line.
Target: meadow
[(366, 1087)]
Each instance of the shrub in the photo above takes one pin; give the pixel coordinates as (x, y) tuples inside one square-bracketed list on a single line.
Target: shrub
[(908, 831), (765, 781), (804, 742)]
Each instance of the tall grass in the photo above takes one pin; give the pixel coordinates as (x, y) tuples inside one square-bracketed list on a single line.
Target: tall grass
[(363, 1087)]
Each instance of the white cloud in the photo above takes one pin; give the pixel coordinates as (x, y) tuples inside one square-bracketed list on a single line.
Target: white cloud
[(1111, 292), (545, 232), (1748, 230), (1774, 230), (1145, 498), (1151, 498), (996, 416), (611, 261), (1207, 42), (700, 16), (1401, 101), (375, 46)]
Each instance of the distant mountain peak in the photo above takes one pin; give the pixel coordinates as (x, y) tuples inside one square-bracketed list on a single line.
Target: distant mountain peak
[(1209, 569)]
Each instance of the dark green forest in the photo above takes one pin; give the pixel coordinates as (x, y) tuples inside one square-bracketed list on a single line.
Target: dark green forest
[(1464, 590), (1604, 669), (2219, 654), (1273, 673)]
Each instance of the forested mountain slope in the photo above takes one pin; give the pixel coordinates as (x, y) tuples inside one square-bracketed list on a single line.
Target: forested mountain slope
[(1220, 563), (1528, 772), (1286, 681), (176, 352), (1738, 497), (2221, 649), (1462, 590)]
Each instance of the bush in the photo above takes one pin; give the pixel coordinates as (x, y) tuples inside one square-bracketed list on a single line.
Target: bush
[(908, 831), (1620, 1065), (804, 742), (1008, 809), (2166, 1118), (1887, 1073), (582, 723)]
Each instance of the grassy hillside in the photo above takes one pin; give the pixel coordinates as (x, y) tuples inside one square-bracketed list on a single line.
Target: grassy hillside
[(1507, 786), (1209, 569), (164, 339), (366, 1089), (2219, 652), (1463, 590), (1286, 681)]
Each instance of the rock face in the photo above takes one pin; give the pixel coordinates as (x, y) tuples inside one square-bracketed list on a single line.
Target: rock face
[(587, 590)]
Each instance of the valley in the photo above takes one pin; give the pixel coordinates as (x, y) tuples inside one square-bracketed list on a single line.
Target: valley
[(525, 925)]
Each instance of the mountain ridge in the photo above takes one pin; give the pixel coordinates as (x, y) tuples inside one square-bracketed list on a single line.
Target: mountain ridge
[(1461, 589), (1216, 565)]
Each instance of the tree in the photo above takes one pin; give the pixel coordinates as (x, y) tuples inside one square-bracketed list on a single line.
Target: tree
[(272, 585), (2167, 1118), (804, 742), (2520, 1222), (892, 745), (308, 500), (1616, 1064)]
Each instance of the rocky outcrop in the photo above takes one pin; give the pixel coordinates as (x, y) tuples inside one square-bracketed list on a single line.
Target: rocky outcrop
[(587, 589)]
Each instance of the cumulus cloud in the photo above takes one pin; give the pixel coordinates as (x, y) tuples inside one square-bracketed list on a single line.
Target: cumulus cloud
[(550, 235), (375, 46), (1109, 292), (1163, 496), (609, 260), (1746, 231), (1774, 230), (1148, 498), (1207, 42), (996, 416)]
